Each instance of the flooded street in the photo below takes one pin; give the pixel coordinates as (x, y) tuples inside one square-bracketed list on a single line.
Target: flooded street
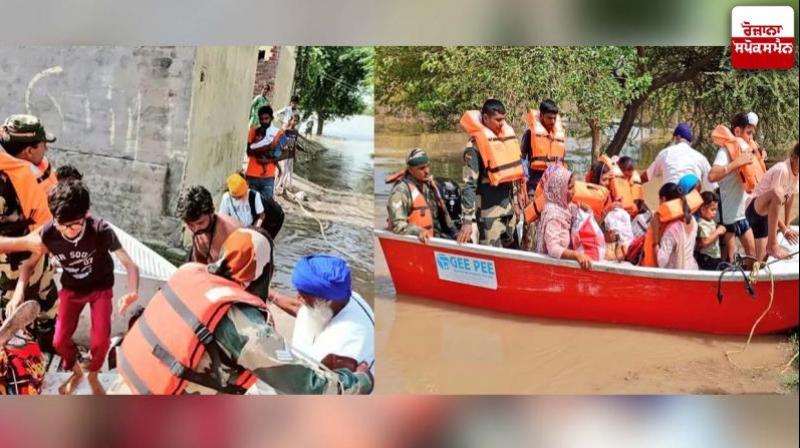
[(346, 165), (425, 346)]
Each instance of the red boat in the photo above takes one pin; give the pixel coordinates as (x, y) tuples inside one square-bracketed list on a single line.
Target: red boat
[(525, 283)]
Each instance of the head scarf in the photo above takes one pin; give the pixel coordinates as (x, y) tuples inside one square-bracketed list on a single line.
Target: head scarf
[(323, 276), (684, 131), (557, 207), (687, 183), (417, 157), (244, 257), (237, 186)]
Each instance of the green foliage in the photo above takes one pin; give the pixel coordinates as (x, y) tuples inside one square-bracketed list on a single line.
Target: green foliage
[(332, 81), (712, 97), (593, 85)]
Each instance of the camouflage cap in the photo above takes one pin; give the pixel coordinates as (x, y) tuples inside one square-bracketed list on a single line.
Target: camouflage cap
[(25, 128), (417, 157)]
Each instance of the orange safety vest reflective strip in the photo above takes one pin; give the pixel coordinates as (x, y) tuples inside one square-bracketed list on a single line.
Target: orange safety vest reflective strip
[(667, 212), (751, 174), (546, 147), (164, 347), (500, 153)]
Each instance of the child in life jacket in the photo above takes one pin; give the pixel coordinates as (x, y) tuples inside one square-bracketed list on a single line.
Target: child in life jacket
[(676, 246), (708, 254)]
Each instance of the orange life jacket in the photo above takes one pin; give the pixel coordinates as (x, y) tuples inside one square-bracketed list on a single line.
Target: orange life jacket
[(546, 147), (637, 187), (534, 209), (165, 345), (624, 190), (501, 154), (596, 197), (31, 197), (751, 174), (261, 167), (420, 215), (47, 176), (667, 212)]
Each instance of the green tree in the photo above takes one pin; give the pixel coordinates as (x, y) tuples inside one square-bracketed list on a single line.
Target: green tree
[(594, 86), (332, 81)]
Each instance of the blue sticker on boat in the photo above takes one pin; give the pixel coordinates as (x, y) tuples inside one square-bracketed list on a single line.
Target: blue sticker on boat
[(473, 271)]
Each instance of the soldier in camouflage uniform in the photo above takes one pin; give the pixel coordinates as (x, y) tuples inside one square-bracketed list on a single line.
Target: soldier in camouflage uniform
[(24, 139), (418, 174), (490, 207)]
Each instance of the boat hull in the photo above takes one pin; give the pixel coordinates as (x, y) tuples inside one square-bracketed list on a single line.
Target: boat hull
[(529, 284)]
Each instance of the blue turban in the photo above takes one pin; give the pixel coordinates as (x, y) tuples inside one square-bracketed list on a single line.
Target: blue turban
[(324, 276), (684, 131), (688, 182)]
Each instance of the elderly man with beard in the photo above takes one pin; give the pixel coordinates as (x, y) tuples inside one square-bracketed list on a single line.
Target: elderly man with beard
[(335, 325), (208, 331)]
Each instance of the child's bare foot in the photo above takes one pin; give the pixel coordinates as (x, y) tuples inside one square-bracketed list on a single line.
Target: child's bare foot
[(73, 382), (19, 319), (94, 384), (777, 251)]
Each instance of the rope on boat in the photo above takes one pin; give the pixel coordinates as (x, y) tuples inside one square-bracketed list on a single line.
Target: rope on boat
[(751, 281), (294, 199)]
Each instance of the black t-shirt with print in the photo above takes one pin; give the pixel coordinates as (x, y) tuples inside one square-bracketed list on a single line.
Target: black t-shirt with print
[(86, 262)]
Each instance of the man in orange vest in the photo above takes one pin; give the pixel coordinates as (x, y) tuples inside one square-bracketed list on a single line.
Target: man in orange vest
[(544, 143), (23, 208), (261, 163), (412, 204), (496, 219)]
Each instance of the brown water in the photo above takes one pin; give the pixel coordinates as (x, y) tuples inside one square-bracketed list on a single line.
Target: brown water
[(426, 346)]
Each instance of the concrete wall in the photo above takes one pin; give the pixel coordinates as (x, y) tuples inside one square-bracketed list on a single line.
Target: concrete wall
[(223, 79), (139, 122), (284, 78)]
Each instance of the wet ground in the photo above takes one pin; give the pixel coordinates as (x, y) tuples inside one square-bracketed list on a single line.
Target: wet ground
[(426, 346)]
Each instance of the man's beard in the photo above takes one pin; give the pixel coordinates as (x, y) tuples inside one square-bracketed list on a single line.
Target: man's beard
[(209, 228), (318, 317)]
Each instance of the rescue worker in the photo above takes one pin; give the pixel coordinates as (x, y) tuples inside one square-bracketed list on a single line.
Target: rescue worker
[(412, 202), (544, 143), (489, 194), (208, 331), (23, 208)]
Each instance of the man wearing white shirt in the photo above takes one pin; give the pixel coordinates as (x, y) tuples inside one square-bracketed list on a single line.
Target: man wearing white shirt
[(334, 325), (680, 159)]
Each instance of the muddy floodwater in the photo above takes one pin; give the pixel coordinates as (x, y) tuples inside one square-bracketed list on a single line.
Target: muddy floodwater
[(425, 346)]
